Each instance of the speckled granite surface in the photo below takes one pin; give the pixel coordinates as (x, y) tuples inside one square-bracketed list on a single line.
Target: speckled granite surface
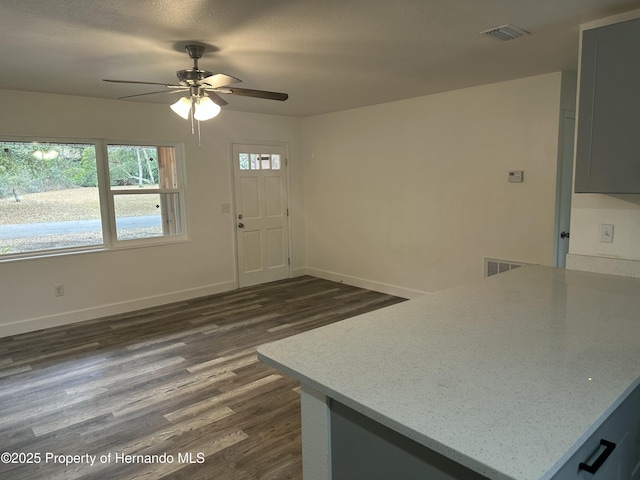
[(507, 376), (608, 265)]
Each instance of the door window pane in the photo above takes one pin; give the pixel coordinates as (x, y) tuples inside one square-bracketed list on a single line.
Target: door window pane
[(259, 161), (275, 161), (243, 158)]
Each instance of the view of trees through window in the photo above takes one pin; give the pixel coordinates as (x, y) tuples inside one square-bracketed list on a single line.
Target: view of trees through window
[(133, 165), (142, 180), (33, 168), (49, 194)]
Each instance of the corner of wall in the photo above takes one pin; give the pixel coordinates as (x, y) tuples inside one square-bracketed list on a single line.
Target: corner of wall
[(367, 284)]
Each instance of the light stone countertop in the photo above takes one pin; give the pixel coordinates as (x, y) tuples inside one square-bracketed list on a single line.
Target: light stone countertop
[(507, 376)]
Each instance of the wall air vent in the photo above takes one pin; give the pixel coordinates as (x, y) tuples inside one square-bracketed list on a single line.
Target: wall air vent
[(505, 32), (493, 266)]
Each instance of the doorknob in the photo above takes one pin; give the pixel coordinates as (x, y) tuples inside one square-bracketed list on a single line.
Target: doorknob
[(241, 225)]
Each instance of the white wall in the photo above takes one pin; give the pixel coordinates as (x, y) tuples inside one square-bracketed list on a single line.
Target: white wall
[(407, 197), (410, 197), (588, 211), (98, 284)]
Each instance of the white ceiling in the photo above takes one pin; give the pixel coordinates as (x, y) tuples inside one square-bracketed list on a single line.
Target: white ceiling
[(328, 55)]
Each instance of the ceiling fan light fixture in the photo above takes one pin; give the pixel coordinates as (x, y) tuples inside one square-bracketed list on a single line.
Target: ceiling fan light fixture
[(182, 107), (200, 105), (205, 108)]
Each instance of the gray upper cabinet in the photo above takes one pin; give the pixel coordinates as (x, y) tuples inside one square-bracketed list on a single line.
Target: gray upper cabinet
[(608, 143)]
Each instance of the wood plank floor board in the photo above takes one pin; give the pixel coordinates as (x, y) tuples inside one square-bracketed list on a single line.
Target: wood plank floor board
[(181, 378)]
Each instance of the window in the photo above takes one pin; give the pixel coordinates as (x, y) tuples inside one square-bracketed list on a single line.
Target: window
[(69, 196), (259, 161), (145, 189)]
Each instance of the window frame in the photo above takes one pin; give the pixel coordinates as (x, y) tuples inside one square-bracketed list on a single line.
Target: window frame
[(110, 241)]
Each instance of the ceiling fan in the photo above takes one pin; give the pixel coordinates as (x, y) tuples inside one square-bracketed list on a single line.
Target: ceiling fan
[(202, 87)]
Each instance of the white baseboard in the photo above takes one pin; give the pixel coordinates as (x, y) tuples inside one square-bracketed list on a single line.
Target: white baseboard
[(364, 283), (74, 316), (298, 272)]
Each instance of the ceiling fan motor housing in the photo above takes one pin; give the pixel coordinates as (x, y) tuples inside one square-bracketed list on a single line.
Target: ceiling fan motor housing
[(192, 76)]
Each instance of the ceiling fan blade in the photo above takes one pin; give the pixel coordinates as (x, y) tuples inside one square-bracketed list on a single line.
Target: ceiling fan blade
[(220, 80), (217, 99), (168, 85), (153, 93), (247, 92)]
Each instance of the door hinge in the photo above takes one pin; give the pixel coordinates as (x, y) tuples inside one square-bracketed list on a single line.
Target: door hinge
[(286, 162), (287, 212), (288, 260)]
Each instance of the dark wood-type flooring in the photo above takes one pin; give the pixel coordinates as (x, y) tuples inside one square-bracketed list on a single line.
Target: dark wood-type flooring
[(181, 380)]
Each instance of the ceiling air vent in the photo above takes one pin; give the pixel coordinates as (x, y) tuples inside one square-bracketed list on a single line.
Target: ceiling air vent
[(505, 32)]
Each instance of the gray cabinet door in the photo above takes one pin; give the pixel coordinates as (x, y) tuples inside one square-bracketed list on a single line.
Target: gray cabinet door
[(622, 428), (608, 145), (363, 449)]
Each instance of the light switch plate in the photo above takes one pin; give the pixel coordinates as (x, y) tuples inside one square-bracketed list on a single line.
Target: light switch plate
[(606, 233)]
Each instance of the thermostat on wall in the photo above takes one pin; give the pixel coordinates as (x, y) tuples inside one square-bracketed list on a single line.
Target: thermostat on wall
[(516, 176)]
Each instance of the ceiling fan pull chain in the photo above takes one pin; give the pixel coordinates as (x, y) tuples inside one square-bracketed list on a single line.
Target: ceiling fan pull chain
[(191, 116)]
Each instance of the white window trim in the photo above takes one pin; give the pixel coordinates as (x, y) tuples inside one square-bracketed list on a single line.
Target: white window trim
[(107, 208)]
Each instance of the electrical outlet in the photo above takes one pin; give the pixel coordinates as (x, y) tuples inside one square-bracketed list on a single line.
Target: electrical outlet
[(58, 290), (606, 233)]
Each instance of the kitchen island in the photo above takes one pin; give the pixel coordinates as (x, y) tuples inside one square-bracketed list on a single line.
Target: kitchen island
[(511, 378)]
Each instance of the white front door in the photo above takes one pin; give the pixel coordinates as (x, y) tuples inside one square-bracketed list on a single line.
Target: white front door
[(261, 213)]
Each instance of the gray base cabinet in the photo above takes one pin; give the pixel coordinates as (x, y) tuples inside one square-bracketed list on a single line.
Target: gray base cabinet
[(608, 144), (620, 437), (363, 449)]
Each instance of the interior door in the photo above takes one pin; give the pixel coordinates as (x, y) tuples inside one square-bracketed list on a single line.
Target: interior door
[(261, 213)]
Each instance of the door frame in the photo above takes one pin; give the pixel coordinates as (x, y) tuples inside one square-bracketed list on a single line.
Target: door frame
[(564, 182), (234, 213)]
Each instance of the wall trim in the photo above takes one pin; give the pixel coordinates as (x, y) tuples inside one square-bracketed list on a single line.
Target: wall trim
[(299, 272), (93, 313), (381, 287)]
